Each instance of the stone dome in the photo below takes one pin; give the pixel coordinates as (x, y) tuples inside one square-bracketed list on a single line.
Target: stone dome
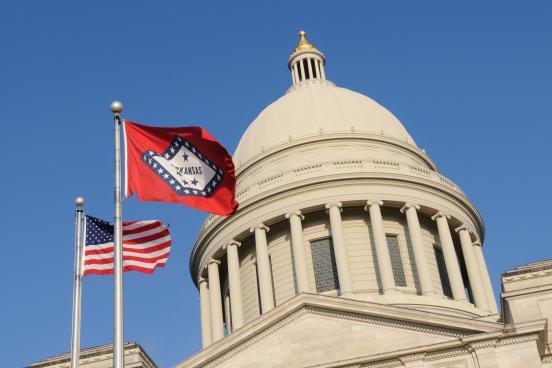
[(312, 109)]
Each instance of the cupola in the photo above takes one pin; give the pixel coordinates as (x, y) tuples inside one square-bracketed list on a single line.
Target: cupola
[(306, 62)]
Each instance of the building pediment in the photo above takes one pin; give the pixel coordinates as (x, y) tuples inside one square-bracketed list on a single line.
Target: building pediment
[(316, 329)]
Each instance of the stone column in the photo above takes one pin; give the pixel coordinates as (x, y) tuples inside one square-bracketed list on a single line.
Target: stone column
[(340, 251), (472, 267), (204, 301), (263, 267), (323, 73), (295, 73), (451, 260), (484, 272), (302, 66), (298, 248), (382, 250), (234, 284), (415, 232), (317, 67), (217, 323)]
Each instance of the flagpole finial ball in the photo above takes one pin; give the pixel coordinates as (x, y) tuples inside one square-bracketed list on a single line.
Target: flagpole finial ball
[(79, 201), (117, 107)]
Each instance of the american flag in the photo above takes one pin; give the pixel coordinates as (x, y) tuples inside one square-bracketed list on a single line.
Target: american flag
[(146, 246)]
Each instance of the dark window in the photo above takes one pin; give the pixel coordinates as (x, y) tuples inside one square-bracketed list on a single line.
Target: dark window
[(306, 67), (396, 260), (323, 263), (441, 266)]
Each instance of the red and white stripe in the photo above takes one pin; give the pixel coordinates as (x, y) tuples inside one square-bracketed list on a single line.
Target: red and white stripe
[(146, 246)]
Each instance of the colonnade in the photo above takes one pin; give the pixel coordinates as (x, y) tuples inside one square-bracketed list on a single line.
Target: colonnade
[(314, 69), (210, 292)]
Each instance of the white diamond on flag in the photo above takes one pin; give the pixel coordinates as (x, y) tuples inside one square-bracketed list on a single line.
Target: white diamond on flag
[(184, 166)]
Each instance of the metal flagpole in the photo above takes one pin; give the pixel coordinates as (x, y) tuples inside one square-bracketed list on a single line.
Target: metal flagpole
[(75, 327), (118, 341)]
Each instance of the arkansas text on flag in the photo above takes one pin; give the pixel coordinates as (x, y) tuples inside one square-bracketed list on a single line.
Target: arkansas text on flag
[(146, 246), (182, 165)]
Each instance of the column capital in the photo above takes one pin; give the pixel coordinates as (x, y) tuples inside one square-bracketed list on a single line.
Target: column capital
[(260, 226), (408, 205), (477, 243), (296, 213), (201, 280), (460, 228), (231, 243), (440, 214), (334, 204), (212, 260), (371, 202)]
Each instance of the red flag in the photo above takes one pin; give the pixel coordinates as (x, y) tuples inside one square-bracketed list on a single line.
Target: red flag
[(180, 165)]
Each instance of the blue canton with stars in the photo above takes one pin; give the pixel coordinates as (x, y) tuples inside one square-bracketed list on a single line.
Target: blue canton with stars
[(179, 186), (98, 231)]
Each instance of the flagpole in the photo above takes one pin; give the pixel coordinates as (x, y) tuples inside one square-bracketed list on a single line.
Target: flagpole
[(118, 340), (75, 327)]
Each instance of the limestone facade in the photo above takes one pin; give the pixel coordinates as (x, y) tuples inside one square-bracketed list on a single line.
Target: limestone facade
[(100, 357), (350, 249)]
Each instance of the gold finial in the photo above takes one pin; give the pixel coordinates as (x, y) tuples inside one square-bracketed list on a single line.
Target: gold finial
[(303, 43)]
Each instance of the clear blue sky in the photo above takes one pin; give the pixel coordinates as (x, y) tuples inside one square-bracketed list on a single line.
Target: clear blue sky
[(471, 81)]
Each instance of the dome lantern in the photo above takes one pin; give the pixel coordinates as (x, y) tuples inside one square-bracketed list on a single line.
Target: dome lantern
[(306, 62)]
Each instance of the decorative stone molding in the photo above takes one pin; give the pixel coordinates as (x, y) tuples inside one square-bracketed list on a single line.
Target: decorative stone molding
[(231, 243), (409, 205), (412, 357), (260, 226), (296, 213), (371, 202), (334, 204), (460, 228), (440, 214)]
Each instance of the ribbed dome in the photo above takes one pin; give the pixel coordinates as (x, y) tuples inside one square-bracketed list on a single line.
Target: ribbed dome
[(312, 110)]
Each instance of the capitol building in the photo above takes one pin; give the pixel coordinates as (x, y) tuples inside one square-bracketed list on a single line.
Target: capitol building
[(350, 249)]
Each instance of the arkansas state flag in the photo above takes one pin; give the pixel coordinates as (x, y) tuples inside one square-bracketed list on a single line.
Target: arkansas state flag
[(181, 165)]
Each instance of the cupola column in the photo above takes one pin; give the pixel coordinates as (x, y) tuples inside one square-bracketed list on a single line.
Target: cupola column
[(295, 73), (302, 67), (476, 284), (234, 283), (451, 260), (382, 250), (420, 258), (487, 284), (206, 336), (263, 268), (317, 67), (298, 248), (340, 251), (217, 323)]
